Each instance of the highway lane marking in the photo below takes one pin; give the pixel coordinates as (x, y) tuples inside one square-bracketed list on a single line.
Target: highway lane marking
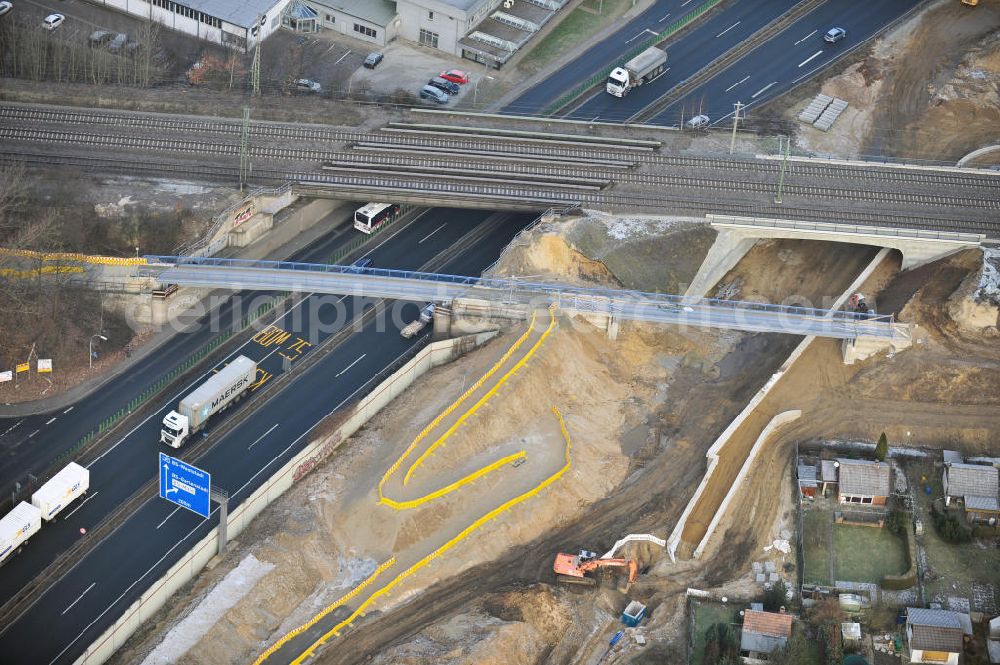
[(139, 579), (432, 233), (34, 433), (92, 585), (297, 439), (50, 421), (728, 29), (240, 348), (81, 505), (262, 436), (67, 410), (806, 37), (168, 516), (664, 17), (685, 3), (13, 427), (812, 57), (628, 41), (186, 390), (360, 358), (343, 56), (754, 95), (737, 83)]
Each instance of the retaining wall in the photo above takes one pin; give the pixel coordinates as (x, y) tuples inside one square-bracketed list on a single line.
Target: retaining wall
[(713, 453), (294, 470)]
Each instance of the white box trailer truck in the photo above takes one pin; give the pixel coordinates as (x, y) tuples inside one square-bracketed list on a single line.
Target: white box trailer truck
[(226, 386), (17, 526), (643, 68), (61, 490)]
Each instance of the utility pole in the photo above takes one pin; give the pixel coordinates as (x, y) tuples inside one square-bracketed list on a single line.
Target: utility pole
[(784, 165), (736, 119), (245, 148), (255, 69)]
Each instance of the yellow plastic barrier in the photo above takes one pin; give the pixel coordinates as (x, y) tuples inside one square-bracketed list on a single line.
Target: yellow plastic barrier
[(312, 622), (434, 423), (447, 546), (72, 256), (44, 270), (485, 398), (404, 505)]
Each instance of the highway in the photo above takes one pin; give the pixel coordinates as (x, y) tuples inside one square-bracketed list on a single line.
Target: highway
[(77, 608), (773, 68), (28, 444), (786, 59)]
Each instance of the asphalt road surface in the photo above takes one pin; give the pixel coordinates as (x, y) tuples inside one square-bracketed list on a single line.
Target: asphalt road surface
[(773, 68), (80, 606), (29, 444)]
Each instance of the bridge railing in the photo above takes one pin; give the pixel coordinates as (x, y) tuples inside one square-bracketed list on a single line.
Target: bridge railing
[(834, 227), (596, 299)]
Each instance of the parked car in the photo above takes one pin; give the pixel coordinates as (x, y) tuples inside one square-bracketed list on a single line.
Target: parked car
[(455, 76), (5, 7), (53, 21), (434, 94), (445, 86), (308, 85), (100, 37), (698, 122), (118, 42), (372, 60), (834, 35)]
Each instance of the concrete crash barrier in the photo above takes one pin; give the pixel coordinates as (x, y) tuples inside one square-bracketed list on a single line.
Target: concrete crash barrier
[(198, 556)]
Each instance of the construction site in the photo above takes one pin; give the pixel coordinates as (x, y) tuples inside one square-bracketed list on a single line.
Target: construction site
[(543, 485)]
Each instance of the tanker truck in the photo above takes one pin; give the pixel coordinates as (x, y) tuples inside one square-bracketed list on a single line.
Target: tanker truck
[(643, 68), (226, 386)]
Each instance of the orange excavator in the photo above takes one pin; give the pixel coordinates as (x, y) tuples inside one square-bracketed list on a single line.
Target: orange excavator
[(574, 568)]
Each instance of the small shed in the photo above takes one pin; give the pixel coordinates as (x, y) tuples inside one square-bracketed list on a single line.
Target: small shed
[(982, 509), (952, 457), (828, 474), (864, 481), (807, 480), (962, 480), (851, 632)]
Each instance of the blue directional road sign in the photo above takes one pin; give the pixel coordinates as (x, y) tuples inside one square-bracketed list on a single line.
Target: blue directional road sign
[(185, 485)]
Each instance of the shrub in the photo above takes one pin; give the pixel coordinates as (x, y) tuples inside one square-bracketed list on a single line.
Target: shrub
[(949, 527), (776, 596), (881, 448)]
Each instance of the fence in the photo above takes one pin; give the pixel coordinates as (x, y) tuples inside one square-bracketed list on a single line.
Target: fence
[(603, 74)]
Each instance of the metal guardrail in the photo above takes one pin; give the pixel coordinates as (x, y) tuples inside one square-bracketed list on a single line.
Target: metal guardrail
[(832, 227), (596, 299)]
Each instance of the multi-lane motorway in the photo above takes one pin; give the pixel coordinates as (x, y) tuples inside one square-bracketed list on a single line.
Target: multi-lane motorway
[(774, 67), (78, 607)]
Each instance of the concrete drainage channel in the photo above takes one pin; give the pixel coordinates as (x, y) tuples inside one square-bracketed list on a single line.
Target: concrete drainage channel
[(773, 425)]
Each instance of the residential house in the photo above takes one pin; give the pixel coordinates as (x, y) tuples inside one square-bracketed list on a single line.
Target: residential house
[(936, 636), (763, 633), (976, 486), (864, 481)]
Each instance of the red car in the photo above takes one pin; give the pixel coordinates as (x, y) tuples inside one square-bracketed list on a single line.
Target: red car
[(455, 76)]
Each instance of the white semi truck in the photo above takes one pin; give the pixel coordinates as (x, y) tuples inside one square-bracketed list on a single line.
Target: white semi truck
[(643, 68), (73, 481), (17, 526), (228, 385)]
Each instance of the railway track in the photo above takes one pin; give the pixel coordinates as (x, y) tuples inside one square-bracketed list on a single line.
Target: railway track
[(504, 172), (424, 141)]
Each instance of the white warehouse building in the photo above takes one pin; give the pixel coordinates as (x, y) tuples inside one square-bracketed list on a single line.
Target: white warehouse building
[(487, 31), (238, 24)]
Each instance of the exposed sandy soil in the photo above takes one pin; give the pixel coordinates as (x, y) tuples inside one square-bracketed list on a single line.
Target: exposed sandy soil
[(928, 89)]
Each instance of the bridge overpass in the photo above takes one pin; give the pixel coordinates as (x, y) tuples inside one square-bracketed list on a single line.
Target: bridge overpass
[(241, 274)]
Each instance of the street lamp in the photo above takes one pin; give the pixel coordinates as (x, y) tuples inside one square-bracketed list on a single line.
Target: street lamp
[(92, 347), (475, 90)]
